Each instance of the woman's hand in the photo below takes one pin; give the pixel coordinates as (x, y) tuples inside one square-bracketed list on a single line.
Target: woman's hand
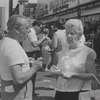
[(55, 71), (68, 75)]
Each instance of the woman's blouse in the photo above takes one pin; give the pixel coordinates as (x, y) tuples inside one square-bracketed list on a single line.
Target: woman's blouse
[(73, 62)]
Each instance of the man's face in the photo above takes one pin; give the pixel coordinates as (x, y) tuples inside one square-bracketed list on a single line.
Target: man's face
[(37, 29), (24, 30)]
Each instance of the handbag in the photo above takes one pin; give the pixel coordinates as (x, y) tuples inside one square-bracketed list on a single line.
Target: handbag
[(91, 94)]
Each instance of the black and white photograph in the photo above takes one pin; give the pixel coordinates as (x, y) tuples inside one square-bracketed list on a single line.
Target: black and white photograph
[(49, 49)]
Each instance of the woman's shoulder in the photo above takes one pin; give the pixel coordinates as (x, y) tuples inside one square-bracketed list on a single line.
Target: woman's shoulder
[(88, 48), (89, 51)]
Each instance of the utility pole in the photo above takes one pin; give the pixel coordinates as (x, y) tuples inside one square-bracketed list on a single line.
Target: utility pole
[(78, 9), (21, 6), (10, 7)]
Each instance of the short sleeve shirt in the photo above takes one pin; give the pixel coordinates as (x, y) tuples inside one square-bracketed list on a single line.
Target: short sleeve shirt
[(27, 46), (11, 53)]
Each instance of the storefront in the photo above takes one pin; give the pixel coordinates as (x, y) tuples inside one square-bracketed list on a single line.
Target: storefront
[(50, 10)]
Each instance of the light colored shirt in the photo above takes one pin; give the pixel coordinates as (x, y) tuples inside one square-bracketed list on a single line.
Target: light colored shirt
[(27, 46), (73, 62), (11, 53)]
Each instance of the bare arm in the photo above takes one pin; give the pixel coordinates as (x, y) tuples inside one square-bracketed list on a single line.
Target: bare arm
[(20, 77), (37, 43), (90, 68)]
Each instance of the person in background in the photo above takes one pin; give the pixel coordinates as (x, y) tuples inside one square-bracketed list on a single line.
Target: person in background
[(16, 73), (45, 49), (59, 42), (97, 42), (75, 66), (2, 34), (31, 45)]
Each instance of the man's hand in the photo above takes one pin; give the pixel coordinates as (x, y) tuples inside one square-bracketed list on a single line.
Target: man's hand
[(31, 60), (37, 64), (44, 37)]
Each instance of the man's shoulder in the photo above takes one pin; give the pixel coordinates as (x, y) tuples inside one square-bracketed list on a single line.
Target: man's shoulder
[(8, 42)]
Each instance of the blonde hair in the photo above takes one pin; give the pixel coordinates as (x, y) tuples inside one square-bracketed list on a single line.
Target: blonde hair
[(76, 25)]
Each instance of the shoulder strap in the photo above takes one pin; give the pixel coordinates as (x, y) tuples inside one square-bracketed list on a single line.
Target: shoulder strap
[(96, 78)]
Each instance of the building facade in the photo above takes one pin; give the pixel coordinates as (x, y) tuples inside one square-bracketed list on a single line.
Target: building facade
[(4, 13), (30, 10), (87, 10)]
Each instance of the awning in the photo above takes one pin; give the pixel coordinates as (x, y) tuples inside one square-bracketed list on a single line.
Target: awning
[(71, 15), (49, 20), (66, 16)]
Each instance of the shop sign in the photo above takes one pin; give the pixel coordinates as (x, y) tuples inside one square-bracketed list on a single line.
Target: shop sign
[(23, 0), (85, 1), (51, 5), (45, 9), (40, 11), (61, 5)]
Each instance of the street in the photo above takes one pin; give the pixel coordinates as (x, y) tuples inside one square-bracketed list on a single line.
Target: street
[(45, 86)]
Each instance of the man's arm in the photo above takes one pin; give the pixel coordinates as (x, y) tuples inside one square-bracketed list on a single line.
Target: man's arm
[(20, 77), (38, 42)]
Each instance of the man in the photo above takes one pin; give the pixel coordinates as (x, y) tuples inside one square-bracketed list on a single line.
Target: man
[(31, 45), (16, 73)]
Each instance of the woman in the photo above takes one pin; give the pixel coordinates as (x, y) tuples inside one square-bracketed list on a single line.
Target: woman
[(76, 65)]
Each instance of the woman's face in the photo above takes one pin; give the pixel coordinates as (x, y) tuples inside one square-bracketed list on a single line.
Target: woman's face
[(72, 37)]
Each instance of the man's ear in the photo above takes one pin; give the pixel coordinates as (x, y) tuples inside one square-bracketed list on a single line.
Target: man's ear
[(17, 28)]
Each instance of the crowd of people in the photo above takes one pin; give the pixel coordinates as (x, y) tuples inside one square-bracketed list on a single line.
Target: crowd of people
[(26, 49)]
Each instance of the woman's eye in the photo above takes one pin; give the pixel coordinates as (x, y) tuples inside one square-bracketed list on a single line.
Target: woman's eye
[(70, 33)]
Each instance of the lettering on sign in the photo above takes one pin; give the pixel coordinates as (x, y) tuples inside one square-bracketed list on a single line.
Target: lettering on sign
[(64, 5)]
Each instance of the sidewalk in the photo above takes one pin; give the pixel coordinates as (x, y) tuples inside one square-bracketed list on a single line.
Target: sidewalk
[(45, 84)]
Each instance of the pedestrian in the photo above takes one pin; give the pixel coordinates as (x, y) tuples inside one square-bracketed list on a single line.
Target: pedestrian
[(16, 73), (97, 42), (59, 42), (31, 45), (75, 66), (45, 49), (2, 34)]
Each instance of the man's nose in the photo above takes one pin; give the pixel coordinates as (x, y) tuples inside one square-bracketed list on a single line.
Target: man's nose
[(69, 35)]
